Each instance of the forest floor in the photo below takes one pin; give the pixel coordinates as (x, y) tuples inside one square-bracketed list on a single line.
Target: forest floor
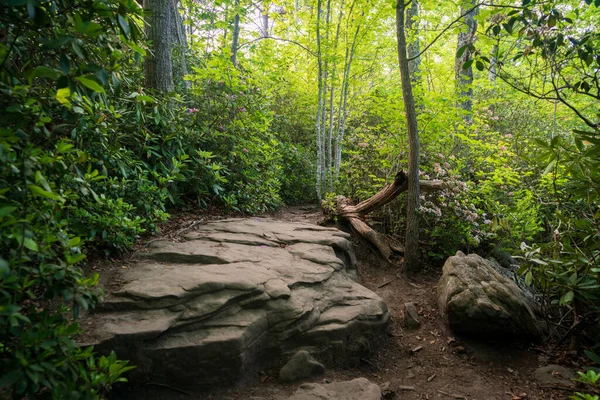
[(428, 363)]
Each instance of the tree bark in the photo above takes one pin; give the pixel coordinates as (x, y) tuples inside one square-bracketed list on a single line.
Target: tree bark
[(265, 22), (236, 34), (411, 254), (179, 41), (158, 68), (342, 113), (412, 16), (464, 76), (493, 64), (331, 151), (320, 104)]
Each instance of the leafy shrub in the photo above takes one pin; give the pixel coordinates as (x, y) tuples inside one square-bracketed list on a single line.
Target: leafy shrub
[(55, 65), (297, 174), (230, 115)]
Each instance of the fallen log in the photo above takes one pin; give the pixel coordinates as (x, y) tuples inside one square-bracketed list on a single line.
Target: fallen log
[(345, 209)]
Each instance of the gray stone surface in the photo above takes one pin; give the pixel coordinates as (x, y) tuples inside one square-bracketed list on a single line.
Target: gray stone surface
[(236, 296), (300, 366), (477, 299), (554, 375), (411, 316), (356, 389)]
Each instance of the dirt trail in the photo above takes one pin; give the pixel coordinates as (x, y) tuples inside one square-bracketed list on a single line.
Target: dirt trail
[(429, 363)]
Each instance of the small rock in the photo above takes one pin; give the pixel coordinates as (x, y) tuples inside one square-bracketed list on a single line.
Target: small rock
[(387, 393), (356, 389), (300, 366), (410, 375), (418, 348), (554, 374), (460, 350), (411, 316)]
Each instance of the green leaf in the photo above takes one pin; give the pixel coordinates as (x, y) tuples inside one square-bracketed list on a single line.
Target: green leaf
[(4, 211), (573, 278), (9, 378), (124, 25), (529, 278), (90, 84), (46, 72), (479, 65), (38, 191), (567, 297), (39, 178), (63, 96), (549, 167), (592, 356), (30, 244), (538, 261), (4, 267), (145, 98)]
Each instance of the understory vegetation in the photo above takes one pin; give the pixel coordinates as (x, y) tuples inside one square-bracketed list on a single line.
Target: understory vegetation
[(286, 103)]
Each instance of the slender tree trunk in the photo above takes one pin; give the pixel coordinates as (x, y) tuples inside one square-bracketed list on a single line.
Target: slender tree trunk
[(236, 34), (327, 87), (265, 22), (493, 64), (158, 68), (414, 48), (190, 28), (319, 103), (332, 154), (411, 254), (179, 41), (464, 76), (342, 112)]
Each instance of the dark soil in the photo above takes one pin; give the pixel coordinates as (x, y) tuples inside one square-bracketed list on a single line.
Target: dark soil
[(428, 363)]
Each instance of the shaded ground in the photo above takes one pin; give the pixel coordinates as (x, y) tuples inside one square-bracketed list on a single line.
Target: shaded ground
[(429, 363)]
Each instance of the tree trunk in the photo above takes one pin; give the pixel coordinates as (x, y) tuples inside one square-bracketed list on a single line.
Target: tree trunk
[(319, 133), (464, 76), (158, 68), (412, 17), (342, 113), (236, 34), (179, 41), (411, 254), (265, 22), (332, 153), (493, 64)]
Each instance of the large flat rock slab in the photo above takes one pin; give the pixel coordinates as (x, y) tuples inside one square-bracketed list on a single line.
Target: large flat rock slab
[(236, 296)]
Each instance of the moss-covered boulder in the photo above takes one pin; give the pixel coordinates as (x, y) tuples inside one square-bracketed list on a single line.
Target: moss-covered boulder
[(477, 297)]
